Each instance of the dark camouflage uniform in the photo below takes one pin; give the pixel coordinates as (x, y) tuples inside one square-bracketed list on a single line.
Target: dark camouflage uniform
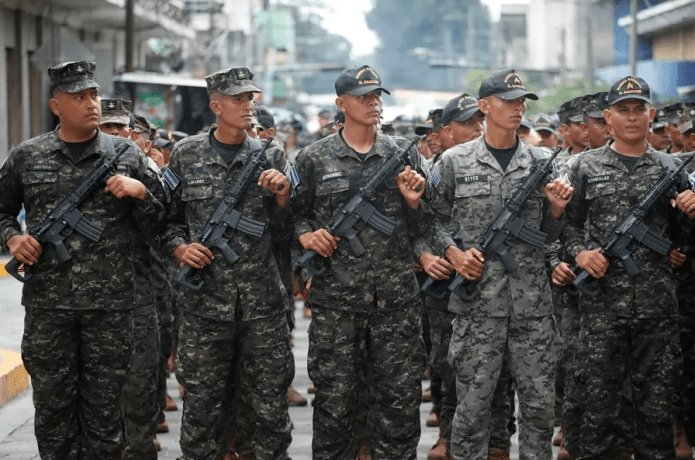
[(512, 311), (629, 332), (366, 306), (77, 339), (248, 291)]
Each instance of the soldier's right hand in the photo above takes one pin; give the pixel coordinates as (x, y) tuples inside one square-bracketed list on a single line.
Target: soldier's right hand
[(593, 262), (196, 255), (24, 248), (436, 267), (320, 241), (563, 274), (469, 263)]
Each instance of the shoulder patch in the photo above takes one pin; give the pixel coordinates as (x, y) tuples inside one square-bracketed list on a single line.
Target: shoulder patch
[(170, 179), (435, 179), (691, 179), (292, 176)]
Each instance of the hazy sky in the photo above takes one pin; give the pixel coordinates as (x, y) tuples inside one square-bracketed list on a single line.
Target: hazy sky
[(347, 18)]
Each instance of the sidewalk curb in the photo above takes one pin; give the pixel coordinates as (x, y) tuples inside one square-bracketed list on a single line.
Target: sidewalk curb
[(13, 376)]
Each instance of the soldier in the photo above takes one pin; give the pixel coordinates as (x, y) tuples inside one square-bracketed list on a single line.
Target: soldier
[(367, 307), (245, 297), (462, 121), (671, 127), (143, 134), (573, 129), (266, 122), (629, 331), (512, 311), (543, 125), (685, 127), (657, 136), (77, 339)]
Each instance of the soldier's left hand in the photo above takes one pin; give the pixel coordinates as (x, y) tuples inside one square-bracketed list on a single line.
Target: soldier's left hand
[(559, 193), (412, 186), (121, 186), (563, 274), (276, 182), (685, 201), (677, 258)]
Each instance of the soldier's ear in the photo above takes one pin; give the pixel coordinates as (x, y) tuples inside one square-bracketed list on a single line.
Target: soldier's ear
[(55, 106), (484, 105), (215, 107), (340, 103)]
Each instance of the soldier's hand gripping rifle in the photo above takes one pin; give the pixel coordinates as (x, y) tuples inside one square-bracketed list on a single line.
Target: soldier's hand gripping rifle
[(66, 218), (439, 289), (358, 210), (227, 219), (622, 240), (508, 224)]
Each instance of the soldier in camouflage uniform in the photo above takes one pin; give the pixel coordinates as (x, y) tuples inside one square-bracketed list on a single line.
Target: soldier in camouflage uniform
[(140, 401), (77, 339), (367, 307), (245, 297), (512, 311), (629, 332)]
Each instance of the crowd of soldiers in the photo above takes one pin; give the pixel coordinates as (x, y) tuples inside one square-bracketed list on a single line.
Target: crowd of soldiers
[(460, 252)]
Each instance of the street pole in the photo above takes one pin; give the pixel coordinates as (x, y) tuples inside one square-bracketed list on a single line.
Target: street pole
[(633, 38)]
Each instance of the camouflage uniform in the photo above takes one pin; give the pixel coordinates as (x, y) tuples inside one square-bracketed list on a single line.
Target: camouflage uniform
[(366, 306), (629, 332), (77, 340), (513, 311), (245, 298)]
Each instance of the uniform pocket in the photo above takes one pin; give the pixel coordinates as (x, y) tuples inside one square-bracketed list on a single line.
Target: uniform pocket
[(470, 189), (196, 192), (333, 186)]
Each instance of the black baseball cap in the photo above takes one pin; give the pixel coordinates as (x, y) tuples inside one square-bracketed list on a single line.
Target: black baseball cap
[(265, 118), (629, 88), (460, 108), (543, 122), (434, 117), (358, 81), (505, 84)]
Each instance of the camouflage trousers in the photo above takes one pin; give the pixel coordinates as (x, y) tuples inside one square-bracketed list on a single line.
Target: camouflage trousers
[(391, 343), (572, 397), (140, 392), (440, 337), (476, 353), (644, 352), (205, 368), (77, 360), (502, 409)]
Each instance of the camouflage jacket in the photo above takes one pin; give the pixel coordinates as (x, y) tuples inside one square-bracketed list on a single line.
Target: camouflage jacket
[(604, 191), (39, 174), (471, 191), (253, 280), (329, 173)]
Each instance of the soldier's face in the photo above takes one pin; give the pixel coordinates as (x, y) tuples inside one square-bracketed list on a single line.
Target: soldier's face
[(116, 129), (363, 110), (629, 120), (597, 132), (659, 139), (675, 135), (466, 131), (504, 115), (78, 112), (548, 139), (233, 112)]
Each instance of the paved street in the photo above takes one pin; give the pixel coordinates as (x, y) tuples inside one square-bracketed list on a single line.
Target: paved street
[(16, 418)]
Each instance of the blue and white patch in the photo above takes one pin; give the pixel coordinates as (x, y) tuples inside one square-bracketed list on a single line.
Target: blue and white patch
[(691, 179), (436, 179), (170, 179), (292, 175)]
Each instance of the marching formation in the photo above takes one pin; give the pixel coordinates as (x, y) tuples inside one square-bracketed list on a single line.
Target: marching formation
[(544, 262)]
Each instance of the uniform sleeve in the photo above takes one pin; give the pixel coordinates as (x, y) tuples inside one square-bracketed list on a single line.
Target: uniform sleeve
[(280, 218), (304, 215), (442, 206), (11, 198), (150, 213), (572, 237), (176, 231)]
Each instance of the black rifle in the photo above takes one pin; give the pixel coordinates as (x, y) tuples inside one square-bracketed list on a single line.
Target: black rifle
[(359, 209), (439, 289), (226, 219), (507, 224), (66, 218), (621, 241)]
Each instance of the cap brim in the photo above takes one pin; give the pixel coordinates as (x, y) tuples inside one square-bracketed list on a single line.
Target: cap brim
[(516, 94), (239, 90), (595, 114), (631, 96), (422, 129), (362, 90), (545, 128), (78, 87), (466, 114), (120, 119)]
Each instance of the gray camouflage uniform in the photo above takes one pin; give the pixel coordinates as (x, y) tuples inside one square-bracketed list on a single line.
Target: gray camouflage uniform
[(512, 310), (248, 291), (77, 339), (629, 332), (364, 307)]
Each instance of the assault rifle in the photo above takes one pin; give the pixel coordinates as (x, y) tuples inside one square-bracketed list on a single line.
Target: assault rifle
[(227, 219), (359, 209), (507, 224), (66, 218), (621, 241)]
